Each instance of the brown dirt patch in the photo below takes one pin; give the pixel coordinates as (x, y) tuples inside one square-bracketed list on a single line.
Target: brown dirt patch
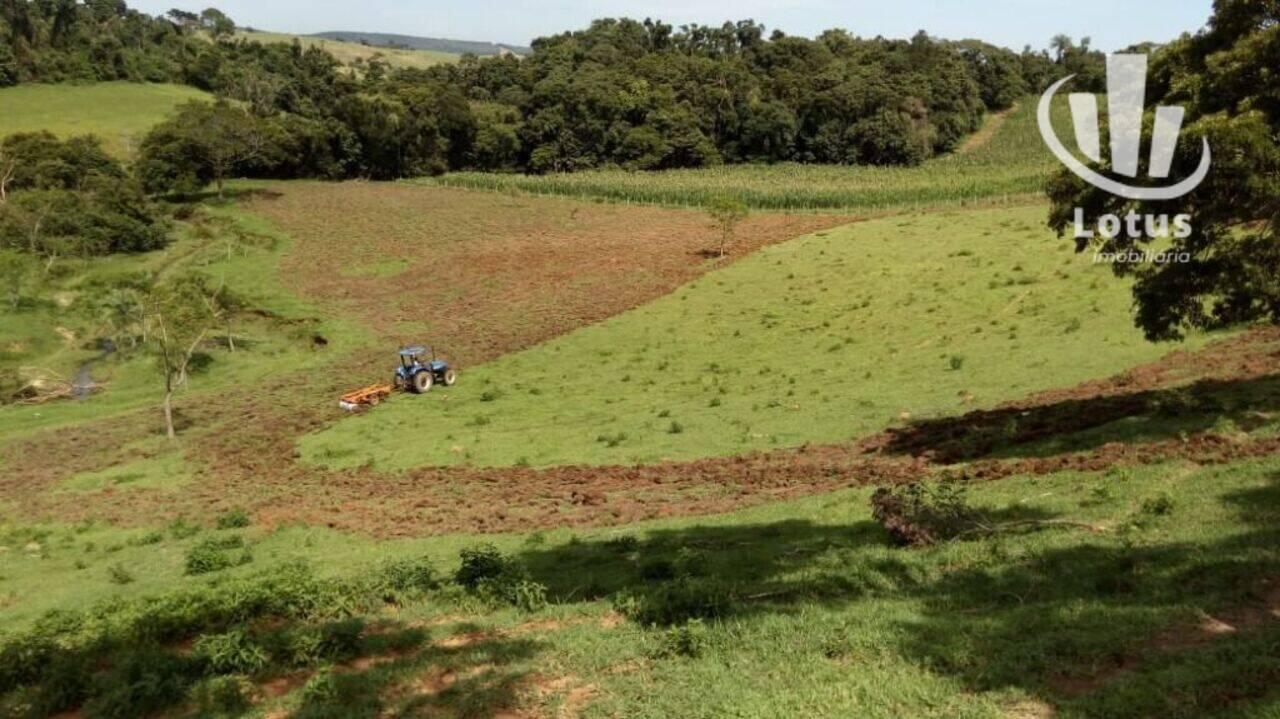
[(482, 274), (574, 696)]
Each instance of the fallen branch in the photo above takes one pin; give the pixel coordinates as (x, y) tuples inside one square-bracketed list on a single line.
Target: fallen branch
[(1031, 523)]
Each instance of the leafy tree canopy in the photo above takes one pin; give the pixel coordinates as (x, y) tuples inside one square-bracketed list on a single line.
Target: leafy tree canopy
[(1224, 76)]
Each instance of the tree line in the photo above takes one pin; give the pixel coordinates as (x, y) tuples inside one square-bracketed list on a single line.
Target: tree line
[(620, 93)]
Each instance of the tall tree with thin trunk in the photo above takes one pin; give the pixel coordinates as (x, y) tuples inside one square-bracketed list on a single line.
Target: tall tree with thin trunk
[(180, 315)]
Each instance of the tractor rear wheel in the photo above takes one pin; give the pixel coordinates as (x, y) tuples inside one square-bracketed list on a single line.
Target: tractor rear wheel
[(422, 382), (450, 377)]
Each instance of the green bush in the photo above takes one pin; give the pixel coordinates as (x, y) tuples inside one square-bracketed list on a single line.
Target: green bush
[(141, 682), (495, 577), (478, 564), (52, 661), (223, 696), (690, 639), (675, 602), (234, 519), (233, 652), (407, 575), (1158, 506), (320, 688), (657, 569), (118, 574), (216, 554)]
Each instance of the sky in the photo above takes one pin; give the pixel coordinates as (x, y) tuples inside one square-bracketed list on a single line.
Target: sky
[(1113, 24)]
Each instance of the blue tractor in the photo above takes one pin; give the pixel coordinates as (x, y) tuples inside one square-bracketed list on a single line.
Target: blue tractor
[(418, 374)]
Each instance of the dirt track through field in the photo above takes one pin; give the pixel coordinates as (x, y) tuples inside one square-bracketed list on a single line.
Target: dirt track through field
[(506, 273)]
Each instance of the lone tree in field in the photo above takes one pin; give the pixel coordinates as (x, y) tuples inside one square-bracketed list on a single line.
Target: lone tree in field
[(204, 143), (179, 315), (727, 211)]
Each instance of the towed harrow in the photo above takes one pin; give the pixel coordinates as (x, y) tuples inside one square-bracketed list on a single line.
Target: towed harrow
[(414, 374)]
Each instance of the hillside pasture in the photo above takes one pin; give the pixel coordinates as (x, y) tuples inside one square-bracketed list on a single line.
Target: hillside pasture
[(829, 337), (118, 112), (349, 52)]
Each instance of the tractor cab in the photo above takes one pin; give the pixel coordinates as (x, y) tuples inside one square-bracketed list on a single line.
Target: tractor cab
[(420, 369)]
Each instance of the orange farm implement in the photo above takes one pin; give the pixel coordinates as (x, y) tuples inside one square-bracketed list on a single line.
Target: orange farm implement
[(364, 397), (415, 374)]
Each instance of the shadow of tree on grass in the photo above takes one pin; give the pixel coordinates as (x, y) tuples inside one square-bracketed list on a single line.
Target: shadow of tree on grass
[(1081, 424), (1095, 609)]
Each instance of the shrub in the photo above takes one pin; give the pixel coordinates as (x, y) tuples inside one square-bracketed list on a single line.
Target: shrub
[(234, 519), (493, 576), (623, 543), (341, 639), (690, 562), (182, 529), (233, 652), (141, 682), (612, 440), (478, 564), (690, 639), (920, 515), (321, 688), (226, 696), (216, 554), (675, 602), (57, 656), (1157, 506), (657, 569), (118, 574), (407, 575)]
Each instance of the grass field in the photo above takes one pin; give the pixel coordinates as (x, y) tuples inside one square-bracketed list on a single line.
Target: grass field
[(1011, 164), (118, 112), (349, 52), (797, 609), (828, 337)]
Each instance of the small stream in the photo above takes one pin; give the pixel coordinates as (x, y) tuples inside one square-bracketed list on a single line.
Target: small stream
[(81, 386)]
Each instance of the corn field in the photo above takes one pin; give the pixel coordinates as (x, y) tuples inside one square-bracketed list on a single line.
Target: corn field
[(1013, 165)]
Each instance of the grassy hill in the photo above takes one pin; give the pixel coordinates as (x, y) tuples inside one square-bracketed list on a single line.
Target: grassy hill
[(828, 337), (415, 42), (349, 52), (118, 112)]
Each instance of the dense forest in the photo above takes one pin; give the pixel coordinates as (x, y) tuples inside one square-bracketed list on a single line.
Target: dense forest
[(639, 95)]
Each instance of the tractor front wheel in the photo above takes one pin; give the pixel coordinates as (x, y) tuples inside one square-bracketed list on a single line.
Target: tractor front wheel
[(398, 381), (450, 377), (422, 382)]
